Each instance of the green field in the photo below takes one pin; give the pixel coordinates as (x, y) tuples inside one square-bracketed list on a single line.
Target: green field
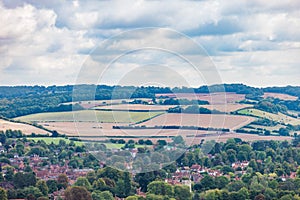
[(281, 118), (49, 140), (90, 116)]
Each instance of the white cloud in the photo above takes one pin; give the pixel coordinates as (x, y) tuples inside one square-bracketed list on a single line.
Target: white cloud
[(34, 49), (246, 39)]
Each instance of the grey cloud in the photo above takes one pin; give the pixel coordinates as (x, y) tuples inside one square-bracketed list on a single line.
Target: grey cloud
[(57, 35)]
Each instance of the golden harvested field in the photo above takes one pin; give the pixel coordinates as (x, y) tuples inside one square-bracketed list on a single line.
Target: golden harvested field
[(227, 107), (201, 120), (90, 116), (280, 96), (213, 98), (132, 107), (190, 136), (25, 128), (100, 129), (84, 129)]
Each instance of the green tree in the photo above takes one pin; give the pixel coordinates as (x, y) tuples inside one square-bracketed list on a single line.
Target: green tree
[(82, 181), (221, 181), (178, 140), (22, 180), (43, 198), (243, 192), (284, 132), (127, 183), (62, 181), (3, 194), (132, 198), (106, 195), (235, 186), (20, 148), (120, 189), (27, 169), (182, 192), (212, 194), (109, 172), (207, 182), (226, 169), (77, 193), (1, 177), (99, 184), (91, 176), (156, 197), (42, 185), (235, 196), (160, 188), (9, 176), (298, 172), (52, 185), (270, 194), (267, 132), (32, 191)]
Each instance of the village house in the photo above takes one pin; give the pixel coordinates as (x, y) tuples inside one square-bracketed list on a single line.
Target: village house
[(242, 165)]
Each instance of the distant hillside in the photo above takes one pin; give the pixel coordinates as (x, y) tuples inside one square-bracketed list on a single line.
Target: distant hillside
[(23, 100)]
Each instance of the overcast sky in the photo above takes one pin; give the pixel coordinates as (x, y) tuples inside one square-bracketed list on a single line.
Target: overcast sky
[(256, 42)]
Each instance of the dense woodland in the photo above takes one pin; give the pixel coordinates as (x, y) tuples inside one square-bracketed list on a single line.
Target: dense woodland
[(22, 100)]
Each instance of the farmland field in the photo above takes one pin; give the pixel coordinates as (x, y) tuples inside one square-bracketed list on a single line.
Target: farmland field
[(90, 116), (281, 118), (227, 107), (81, 128), (280, 96), (213, 98), (202, 120), (133, 107), (25, 128), (89, 129), (49, 140), (270, 128), (94, 103)]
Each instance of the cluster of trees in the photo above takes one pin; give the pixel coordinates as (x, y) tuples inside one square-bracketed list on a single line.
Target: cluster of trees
[(193, 109), (291, 90), (172, 101), (288, 104), (277, 105), (261, 131), (26, 185), (131, 143), (270, 107)]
